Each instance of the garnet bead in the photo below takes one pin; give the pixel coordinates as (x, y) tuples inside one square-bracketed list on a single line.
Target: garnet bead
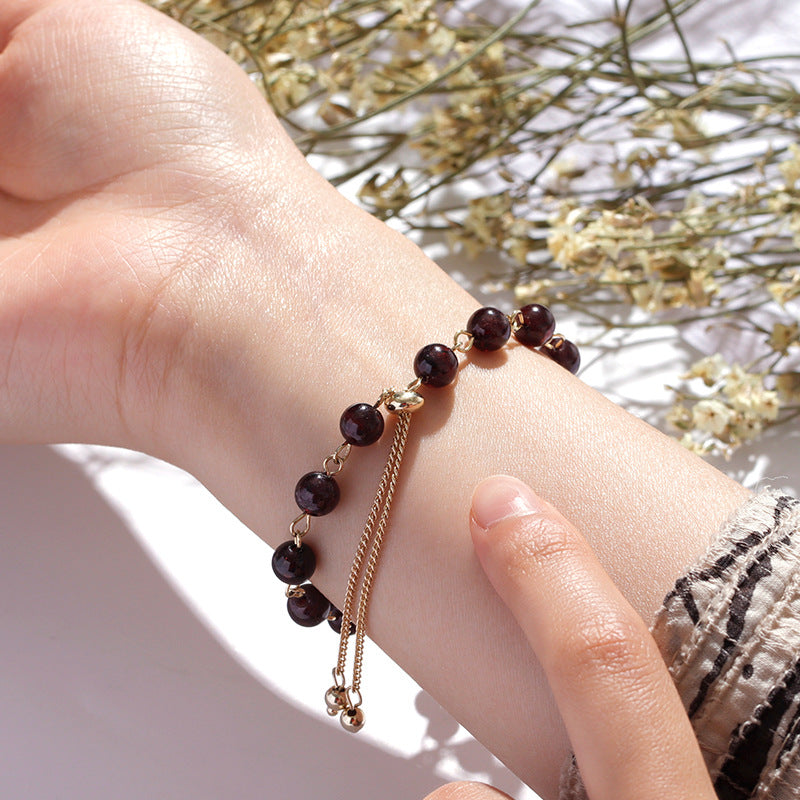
[(335, 621), (436, 365), (490, 328), (536, 325), (361, 424), (316, 493), (310, 608), (565, 353), (293, 564)]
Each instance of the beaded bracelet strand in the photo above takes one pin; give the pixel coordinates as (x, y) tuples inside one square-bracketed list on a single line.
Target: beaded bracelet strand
[(362, 424)]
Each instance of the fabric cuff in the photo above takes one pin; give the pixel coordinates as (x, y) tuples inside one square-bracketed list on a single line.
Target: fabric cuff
[(729, 633)]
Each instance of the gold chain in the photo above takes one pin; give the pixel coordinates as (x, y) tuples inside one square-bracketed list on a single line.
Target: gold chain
[(396, 456), (341, 699), (370, 542)]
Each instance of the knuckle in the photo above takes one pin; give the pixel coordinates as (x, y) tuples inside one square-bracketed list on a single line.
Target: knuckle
[(608, 647), (534, 543)]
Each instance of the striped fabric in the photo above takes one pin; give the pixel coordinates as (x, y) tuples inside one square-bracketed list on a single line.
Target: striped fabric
[(730, 634)]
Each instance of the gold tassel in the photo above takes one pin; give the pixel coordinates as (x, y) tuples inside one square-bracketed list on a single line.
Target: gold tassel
[(340, 698)]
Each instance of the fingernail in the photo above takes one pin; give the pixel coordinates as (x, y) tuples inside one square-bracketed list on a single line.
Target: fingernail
[(500, 497)]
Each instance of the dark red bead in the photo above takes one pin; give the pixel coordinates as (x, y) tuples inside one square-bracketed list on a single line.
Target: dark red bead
[(436, 365), (361, 424), (565, 353), (311, 608), (536, 325), (293, 564), (490, 328), (335, 621), (316, 493)]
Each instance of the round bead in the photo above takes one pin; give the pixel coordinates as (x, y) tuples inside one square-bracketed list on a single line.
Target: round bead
[(335, 700), (352, 719), (310, 608), (436, 365), (565, 353), (293, 564), (361, 424), (316, 493), (335, 621), (536, 326), (490, 328)]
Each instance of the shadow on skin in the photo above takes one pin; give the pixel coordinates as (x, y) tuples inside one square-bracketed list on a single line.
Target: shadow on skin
[(112, 688), (469, 755)]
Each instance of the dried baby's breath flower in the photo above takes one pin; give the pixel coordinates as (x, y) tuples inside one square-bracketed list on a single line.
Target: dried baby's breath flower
[(697, 445), (594, 175), (735, 408), (784, 336), (382, 194), (711, 416), (788, 386), (708, 369), (790, 167)]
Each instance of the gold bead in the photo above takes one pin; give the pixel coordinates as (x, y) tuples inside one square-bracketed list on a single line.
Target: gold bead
[(352, 719), (404, 400), (335, 700)]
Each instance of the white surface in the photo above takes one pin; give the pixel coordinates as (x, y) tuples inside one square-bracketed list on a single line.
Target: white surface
[(146, 650), (147, 653)]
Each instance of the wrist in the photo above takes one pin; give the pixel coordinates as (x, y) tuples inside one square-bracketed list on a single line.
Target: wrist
[(298, 327), (317, 306)]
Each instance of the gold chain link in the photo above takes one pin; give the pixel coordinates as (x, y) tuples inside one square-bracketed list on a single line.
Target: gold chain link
[(388, 479), (337, 458), (463, 341), (297, 532), (356, 600), (395, 458)]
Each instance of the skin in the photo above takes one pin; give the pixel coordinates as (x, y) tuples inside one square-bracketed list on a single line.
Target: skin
[(630, 734), (176, 279)]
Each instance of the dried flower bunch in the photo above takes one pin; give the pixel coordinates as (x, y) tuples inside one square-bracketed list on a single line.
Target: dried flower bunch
[(603, 176)]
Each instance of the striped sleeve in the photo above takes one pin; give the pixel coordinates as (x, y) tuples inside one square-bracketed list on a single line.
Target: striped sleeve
[(729, 632)]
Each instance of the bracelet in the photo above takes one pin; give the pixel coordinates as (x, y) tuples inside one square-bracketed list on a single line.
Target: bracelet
[(362, 424)]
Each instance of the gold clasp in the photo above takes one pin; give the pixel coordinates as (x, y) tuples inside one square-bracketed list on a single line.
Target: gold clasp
[(404, 401)]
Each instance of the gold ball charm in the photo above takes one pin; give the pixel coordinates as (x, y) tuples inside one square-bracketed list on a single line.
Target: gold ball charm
[(335, 700), (352, 719)]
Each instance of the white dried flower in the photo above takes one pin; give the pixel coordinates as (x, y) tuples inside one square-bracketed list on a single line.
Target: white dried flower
[(710, 369), (712, 416)]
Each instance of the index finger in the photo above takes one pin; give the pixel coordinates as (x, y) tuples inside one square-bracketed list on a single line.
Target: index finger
[(630, 733)]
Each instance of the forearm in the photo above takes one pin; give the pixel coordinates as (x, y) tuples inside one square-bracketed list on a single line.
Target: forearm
[(340, 318), (178, 280)]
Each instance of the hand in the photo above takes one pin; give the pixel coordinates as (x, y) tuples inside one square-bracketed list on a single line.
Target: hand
[(132, 160), (630, 734)]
